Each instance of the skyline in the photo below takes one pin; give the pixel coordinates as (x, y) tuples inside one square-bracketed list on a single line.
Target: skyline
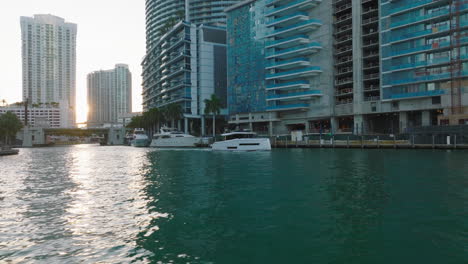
[(119, 38)]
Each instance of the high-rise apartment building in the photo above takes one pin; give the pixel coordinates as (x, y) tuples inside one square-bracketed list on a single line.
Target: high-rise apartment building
[(49, 62), (425, 61), (346, 66), (292, 41), (185, 62), (109, 95)]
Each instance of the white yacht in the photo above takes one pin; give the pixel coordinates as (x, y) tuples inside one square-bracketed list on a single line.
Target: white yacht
[(171, 138), (140, 139), (242, 141)]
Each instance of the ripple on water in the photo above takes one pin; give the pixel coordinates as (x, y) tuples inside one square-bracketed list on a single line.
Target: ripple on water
[(121, 204)]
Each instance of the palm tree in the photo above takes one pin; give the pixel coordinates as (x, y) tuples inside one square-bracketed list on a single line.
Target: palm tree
[(154, 118), (173, 112), (4, 102), (213, 106)]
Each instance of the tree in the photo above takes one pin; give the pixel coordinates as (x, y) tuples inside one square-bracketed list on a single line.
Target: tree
[(9, 126), (136, 122), (173, 112), (4, 102), (213, 106)]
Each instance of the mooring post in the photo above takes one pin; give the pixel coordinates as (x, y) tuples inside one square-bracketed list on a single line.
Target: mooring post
[(433, 141), (455, 142), (378, 142), (412, 141), (362, 141), (347, 142)]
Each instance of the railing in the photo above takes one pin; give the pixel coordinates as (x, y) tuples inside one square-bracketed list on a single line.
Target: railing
[(281, 8), (285, 73), (305, 93), (278, 63), (270, 86), (274, 21), (426, 78), (426, 47), (275, 42), (305, 23), (418, 18), (280, 107), (398, 7), (371, 98), (417, 94), (284, 51)]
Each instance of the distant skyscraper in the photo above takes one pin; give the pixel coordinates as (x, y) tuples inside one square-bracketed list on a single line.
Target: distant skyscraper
[(49, 62), (109, 94)]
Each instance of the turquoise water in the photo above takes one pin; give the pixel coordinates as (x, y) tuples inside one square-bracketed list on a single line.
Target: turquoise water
[(88, 204)]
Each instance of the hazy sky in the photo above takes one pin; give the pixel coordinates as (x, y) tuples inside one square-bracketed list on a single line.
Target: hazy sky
[(109, 32)]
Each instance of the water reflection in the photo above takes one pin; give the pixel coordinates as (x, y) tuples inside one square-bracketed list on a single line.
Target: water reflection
[(120, 205)]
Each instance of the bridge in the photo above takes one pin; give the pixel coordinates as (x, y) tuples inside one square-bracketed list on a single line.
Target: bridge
[(33, 136)]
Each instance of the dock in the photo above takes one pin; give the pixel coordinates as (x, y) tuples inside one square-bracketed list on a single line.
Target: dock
[(364, 144), (5, 152)]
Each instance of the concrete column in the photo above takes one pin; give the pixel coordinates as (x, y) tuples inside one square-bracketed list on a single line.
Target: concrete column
[(359, 126), (250, 122), (426, 118), (27, 138), (186, 125), (307, 126), (202, 125), (403, 121), (270, 128), (179, 124), (334, 124), (358, 54)]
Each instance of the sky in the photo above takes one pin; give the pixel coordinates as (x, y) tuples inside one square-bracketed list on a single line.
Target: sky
[(109, 32)]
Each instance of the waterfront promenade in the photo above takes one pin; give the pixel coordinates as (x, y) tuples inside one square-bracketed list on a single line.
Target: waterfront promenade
[(116, 204)]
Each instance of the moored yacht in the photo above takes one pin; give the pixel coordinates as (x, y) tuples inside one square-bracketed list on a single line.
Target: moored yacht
[(171, 138), (242, 141), (140, 139)]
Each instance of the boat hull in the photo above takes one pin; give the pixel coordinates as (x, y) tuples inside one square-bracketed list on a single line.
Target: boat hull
[(176, 142), (243, 144), (140, 143)]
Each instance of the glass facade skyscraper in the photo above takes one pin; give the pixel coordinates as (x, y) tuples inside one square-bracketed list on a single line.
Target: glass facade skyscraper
[(185, 62)]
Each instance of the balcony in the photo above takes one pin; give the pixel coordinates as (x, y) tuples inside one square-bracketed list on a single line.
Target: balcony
[(288, 20), (296, 51), (406, 6), (288, 42), (372, 76), (310, 71), (399, 37), (418, 19), (293, 6), (294, 96), (296, 29), (288, 107), (423, 48), (288, 85), (419, 64), (417, 94), (288, 64), (426, 78)]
